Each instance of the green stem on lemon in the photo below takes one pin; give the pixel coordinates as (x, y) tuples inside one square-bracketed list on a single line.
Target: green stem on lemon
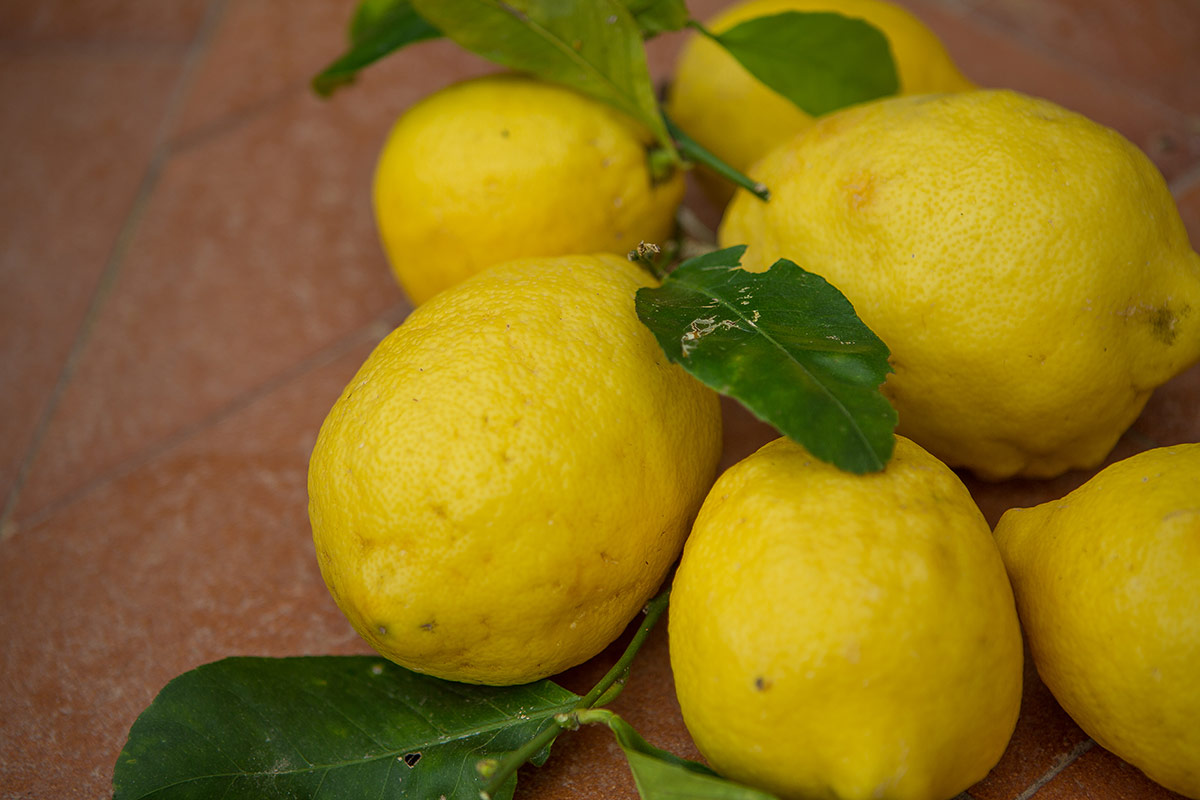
[(605, 690), (662, 162), (694, 152)]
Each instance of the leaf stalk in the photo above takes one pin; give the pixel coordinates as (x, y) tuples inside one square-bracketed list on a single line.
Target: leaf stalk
[(694, 152), (605, 690)]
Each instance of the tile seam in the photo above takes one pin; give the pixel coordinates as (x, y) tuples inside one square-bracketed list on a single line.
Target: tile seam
[(1055, 770), (186, 140), (374, 330), (160, 154), (1186, 180)]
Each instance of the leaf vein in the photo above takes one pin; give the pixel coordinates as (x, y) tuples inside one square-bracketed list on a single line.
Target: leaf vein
[(825, 391)]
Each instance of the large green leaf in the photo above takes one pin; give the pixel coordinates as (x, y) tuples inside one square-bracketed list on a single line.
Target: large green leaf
[(592, 46), (378, 28), (342, 726), (821, 61), (787, 345)]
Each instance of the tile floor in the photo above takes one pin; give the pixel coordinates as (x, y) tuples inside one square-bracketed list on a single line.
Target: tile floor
[(191, 274)]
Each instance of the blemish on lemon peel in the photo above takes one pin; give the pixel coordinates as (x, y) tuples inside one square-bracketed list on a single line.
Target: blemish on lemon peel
[(1162, 320), (859, 190)]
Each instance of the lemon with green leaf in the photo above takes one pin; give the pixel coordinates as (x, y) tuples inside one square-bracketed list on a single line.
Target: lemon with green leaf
[(733, 114), (510, 475), (845, 636), (1026, 266), (505, 167)]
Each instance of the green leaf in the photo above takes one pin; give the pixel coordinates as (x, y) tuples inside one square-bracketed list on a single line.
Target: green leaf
[(661, 775), (346, 726), (592, 46), (787, 345), (658, 16), (378, 28), (821, 61), (372, 15)]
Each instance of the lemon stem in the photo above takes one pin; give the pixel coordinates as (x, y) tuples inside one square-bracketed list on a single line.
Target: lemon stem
[(606, 690), (694, 152), (662, 163)]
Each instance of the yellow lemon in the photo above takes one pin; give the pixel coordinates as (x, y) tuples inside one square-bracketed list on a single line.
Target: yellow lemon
[(1107, 582), (511, 473), (506, 167), (735, 116), (845, 636), (1027, 267)]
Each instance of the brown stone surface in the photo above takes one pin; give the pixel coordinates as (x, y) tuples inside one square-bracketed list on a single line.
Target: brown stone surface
[(123, 22), (191, 274), (1099, 775), (257, 249), (1151, 46), (79, 133)]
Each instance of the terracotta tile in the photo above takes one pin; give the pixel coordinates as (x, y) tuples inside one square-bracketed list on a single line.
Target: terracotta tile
[(995, 59), (78, 134), (255, 253), (262, 48), (1099, 775), (742, 432), (201, 554), (1172, 416), (1045, 737), (994, 498), (107, 21), (257, 249), (1152, 46), (1187, 198)]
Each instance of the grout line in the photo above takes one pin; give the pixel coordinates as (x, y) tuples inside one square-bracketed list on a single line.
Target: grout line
[(187, 139), (1059, 766), (160, 154), (1186, 180), (373, 332)]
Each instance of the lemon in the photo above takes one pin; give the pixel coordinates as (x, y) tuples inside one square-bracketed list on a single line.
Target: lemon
[(845, 636), (738, 118), (505, 167), (1026, 266), (1107, 582), (511, 473)]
